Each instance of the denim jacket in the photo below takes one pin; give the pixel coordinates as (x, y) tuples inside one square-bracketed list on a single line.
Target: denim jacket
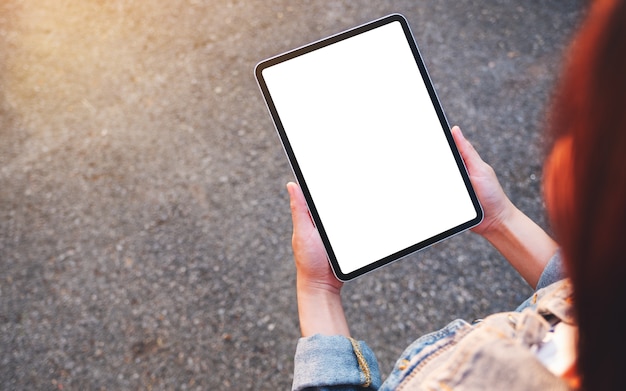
[(495, 353)]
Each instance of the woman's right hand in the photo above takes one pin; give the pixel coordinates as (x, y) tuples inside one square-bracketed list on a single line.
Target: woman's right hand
[(522, 242), (496, 205)]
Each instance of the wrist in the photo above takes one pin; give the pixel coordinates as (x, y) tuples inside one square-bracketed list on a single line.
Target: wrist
[(320, 309), (501, 223), (522, 242), (316, 287)]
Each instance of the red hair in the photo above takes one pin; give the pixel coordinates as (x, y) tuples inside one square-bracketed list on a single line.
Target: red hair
[(588, 208)]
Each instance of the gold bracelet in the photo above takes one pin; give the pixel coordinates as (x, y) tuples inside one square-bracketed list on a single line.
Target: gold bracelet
[(362, 363)]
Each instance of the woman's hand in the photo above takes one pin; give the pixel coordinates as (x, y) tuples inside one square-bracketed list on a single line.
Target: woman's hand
[(496, 205), (526, 246), (309, 253), (319, 301)]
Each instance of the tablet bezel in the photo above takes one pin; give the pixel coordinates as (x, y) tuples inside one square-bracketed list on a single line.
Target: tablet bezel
[(302, 180)]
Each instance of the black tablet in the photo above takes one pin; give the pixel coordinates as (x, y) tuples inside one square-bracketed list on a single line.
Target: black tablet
[(369, 144)]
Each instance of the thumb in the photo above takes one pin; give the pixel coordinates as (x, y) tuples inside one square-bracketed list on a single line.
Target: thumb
[(299, 211), (471, 158)]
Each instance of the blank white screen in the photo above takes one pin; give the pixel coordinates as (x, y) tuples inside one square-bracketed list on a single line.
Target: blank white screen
[(370, 145)]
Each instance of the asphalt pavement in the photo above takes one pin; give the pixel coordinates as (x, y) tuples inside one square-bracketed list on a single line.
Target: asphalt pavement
[(144, 222)]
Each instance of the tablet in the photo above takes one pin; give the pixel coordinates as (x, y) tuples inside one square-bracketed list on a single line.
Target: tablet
[(369, 144)]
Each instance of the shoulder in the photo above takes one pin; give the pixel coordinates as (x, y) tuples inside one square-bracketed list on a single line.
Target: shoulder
[(496, 353)]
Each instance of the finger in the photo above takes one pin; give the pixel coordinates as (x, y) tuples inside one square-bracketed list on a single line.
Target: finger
[(299, 211), (471, 158)]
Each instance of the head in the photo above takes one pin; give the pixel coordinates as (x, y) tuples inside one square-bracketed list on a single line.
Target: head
[(585, 189)]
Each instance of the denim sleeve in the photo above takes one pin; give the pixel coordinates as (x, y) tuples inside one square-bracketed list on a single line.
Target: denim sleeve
[(553, 271), (330, 363)]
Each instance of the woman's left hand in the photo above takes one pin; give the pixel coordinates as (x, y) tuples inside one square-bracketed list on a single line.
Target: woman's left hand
[(319, 301)]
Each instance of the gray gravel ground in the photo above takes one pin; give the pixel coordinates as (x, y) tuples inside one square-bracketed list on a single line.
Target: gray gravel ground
[(144, 224)]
